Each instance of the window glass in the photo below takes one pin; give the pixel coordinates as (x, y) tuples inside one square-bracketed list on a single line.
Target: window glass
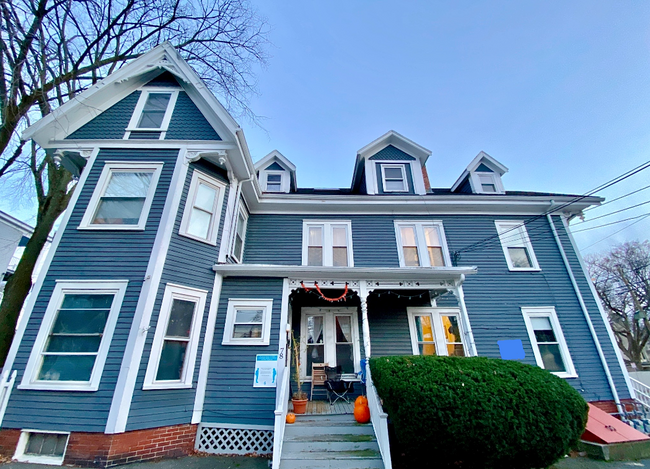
[(549, 347), (154, 111), (315, 247), (46, 444), (73, 343), (339, 246), (202, 211), (315, 342), (409, 246), (248, 324), (452, 336), (274, 183), (123, 199), (394, 178), (344, 350), (516, 246), (239, 236), (176, 340), (434, 247), (425, 338), (519, 257)]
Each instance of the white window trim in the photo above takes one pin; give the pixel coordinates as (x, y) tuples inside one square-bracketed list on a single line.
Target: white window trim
[(137, 112), (512, 227), (329, 341), (549, 312), (63, 287), (402, 168), (233, 304), (213, 230), (284, 180), (372, 185), (477, 185), (102, 185), (438, 333), (423, 253), (327, 240), (20, 455), (242, 210), (172, 292)]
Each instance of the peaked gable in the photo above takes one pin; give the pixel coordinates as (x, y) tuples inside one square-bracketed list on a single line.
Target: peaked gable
[(392, 153)]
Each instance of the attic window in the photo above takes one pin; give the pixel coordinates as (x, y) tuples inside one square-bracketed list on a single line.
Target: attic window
[(152, 113), (274, 182), (488, 183), (394, 178)]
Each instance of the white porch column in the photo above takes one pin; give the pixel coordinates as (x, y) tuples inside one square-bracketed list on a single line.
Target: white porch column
[(363, 295), (460, 295)]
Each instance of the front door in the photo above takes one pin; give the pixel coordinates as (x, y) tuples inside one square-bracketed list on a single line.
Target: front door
[(330, 336)]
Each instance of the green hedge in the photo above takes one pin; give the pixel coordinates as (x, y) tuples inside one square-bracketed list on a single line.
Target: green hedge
[(478, 412)]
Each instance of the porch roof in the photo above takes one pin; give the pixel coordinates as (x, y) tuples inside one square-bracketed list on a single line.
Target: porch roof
[(456, 274)]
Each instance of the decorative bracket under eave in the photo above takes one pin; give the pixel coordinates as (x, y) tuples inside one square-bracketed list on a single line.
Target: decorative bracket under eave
[(163, 64)]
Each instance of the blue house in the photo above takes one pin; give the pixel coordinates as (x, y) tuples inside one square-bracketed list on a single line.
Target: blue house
[(161, 320)]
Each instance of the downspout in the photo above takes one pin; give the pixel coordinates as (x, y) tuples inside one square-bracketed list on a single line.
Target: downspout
[(585, 312)]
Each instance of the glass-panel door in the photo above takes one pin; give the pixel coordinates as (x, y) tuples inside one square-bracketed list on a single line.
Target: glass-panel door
[(330, 336)]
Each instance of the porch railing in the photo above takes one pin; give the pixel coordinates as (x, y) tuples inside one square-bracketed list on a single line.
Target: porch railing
[(642, 392), (6, 385), (281, 408), (379, 420)]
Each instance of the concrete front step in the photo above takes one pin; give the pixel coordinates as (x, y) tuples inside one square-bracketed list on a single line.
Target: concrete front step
[(330, 442)]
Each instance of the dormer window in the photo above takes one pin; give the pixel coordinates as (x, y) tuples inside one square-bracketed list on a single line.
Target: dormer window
[(393, 178), (273, 182), (152, 114), (488, 183)]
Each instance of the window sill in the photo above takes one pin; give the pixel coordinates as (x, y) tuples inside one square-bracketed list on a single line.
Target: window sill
[(111, 227), (58, 386), (257, 342), (35, 459), (564, 375), (196, 238), (532, 269), (143, 129), (169, 385)]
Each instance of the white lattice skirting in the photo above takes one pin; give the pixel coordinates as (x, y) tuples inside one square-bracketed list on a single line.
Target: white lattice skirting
[(231, 439)]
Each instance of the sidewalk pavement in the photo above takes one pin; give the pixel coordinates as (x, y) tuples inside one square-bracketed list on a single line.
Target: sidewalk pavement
[(586, 463), (189, 462)]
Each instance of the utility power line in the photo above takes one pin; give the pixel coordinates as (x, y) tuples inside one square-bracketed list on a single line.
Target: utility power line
[(616, 232), (612, 213), (612, 223), (617, 198)]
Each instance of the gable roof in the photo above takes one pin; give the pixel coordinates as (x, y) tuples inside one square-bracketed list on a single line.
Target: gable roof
[(278, 157), (481, 159), (87, 105)]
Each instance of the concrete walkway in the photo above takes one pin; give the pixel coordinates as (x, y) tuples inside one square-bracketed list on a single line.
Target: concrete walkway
[(586, 463), (190, 462)]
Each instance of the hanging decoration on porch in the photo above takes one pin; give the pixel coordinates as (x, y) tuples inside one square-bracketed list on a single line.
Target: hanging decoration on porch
[(401, 295), (322, 295)]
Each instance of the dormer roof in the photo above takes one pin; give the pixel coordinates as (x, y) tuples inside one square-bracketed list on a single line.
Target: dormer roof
[(481, 163), (398, 141)]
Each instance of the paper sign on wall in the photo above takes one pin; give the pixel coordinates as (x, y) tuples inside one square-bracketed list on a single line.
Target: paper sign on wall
[(511, 349), (266, 371)]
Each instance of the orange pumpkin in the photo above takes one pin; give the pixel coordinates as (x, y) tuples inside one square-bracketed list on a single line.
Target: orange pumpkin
[(361, 400), (362, 413), (291, 417)]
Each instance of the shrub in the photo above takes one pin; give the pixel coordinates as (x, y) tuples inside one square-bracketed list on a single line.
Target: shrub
[(478, 412)]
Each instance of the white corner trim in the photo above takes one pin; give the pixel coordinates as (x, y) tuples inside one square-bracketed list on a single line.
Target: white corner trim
[(36, 289), (121, 403), (206, 353), (282, 339), (102, 184), (248, 303), (172, 292), (603, 314), (63, 287)]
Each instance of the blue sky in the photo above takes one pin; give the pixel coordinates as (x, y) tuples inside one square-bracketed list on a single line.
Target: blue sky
[(559, 92)]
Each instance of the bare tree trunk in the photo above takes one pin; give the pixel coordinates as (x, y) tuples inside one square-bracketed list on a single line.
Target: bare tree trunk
[(19, 284)]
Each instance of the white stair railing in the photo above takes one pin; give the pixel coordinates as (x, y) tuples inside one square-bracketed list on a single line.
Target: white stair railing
[(379, 420), (6, 385), (642, 392), (280, 418)]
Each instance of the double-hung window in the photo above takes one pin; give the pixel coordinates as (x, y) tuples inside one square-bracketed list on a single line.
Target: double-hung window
[(203, 208), (153, 112), (327, 243), (248, 322), (240, 234), (436, 331), (488, 183), (175, 343), (516, 245), (393, 178), (546, 338), (273, 182), (122, 197), (75, 335), (421, 244)]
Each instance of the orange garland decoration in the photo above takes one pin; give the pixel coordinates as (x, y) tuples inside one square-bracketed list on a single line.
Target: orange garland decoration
[(331, 300)]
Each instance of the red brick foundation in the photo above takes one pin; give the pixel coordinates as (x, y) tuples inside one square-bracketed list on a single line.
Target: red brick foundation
[(610, 406), (101, 450)]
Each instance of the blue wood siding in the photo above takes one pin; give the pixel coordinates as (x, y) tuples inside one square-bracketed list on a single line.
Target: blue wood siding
[(409, 179), (230, 396), (494, 296), (484, 169), (188, 123), (188, 263), (274, 167), (110, 124), (392, 153), (100, 255), (465, 187)]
